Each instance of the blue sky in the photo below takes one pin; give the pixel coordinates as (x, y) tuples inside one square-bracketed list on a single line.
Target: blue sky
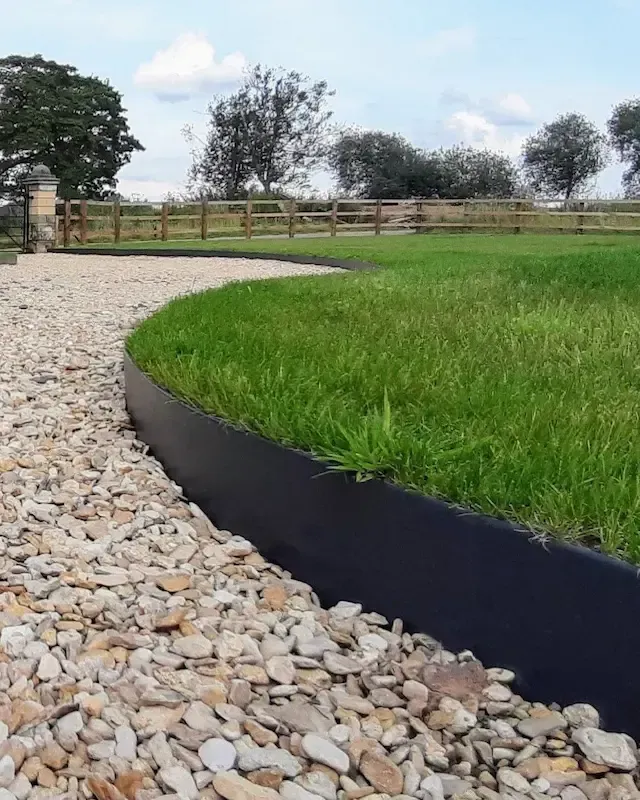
[(483, 73)]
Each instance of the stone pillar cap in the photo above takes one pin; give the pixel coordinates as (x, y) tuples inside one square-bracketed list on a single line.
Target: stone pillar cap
[(40, 174)]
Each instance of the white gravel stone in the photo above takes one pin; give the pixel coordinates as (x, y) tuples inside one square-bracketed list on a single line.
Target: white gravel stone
[(126, 742), (194, 646), (612, 749), (70, 723), (293, 791), (218, 755), (15, 638), (160, 749), (49, 667), (281, 669), (180, 780), (324, 752), (513, 780), (269, 758), (319, 784), (7, 771), (20, 788), (582, 715), (432, 786)]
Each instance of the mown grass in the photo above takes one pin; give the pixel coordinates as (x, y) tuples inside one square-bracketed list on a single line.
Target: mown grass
[(500, 373)]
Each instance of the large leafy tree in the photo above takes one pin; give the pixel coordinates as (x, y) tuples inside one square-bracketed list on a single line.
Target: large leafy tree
[(467, 173), (564, 156), (271, 130), (624, 132), (72, 123), (375, 164), (221, 168), (382, 165)]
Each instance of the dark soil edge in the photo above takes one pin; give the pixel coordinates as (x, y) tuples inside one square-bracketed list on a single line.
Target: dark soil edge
[(564, 618), (294, 258)]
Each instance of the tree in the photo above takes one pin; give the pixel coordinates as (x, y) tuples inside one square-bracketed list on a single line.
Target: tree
[(564, 155), (222, 168), (382, 165), (469, 173), (624, 133), (73, 124), (272, 130), (375, 164)]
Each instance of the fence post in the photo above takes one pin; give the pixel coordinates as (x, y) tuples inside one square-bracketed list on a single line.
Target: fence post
[(248, 232), (66, 224), (465, 215), (518, 228), (116, 222), (204, 220), (333, 225), (84, 226), (378, 218), (580, 228), (418, 216), (164, 222), (292, 219)]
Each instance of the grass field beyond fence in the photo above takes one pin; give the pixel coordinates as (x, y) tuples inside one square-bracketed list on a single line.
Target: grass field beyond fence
[(499, 373), (89, 222)]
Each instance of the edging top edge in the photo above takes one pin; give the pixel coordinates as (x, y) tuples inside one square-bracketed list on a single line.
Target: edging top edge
[(295, 258)]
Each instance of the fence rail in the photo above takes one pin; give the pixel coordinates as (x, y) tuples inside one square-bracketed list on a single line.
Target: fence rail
[(86, 222)]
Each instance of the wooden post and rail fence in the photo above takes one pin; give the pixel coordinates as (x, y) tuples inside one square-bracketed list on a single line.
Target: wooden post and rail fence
[(85, 222)]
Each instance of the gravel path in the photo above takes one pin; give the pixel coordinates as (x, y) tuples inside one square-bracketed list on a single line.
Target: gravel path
[(145, 654)]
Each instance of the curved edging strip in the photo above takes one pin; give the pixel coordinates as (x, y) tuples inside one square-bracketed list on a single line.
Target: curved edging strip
[(293, 258), (563, 617)]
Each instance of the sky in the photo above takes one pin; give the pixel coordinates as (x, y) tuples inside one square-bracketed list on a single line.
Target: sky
[(482, 73)]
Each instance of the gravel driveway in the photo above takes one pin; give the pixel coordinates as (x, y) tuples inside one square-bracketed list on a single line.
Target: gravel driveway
[(145, 654)]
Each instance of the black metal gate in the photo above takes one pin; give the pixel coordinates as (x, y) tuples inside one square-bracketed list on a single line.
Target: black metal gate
[(14, 223)]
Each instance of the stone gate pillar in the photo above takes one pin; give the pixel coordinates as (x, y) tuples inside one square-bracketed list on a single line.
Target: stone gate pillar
[(40, 212)]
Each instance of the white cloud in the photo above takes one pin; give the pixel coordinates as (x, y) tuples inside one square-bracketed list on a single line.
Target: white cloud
[(515, 105), (477, 131), (510, 108), (451, 40), (189, 66)]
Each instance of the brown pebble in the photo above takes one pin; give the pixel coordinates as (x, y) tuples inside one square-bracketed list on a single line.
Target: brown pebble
[(104, 790), (174, 583), (171, 620), (381, 772), (271, 778), (259, 733), (593, 769), (129, 783), (275, 596), (46, 778), (53, 756)]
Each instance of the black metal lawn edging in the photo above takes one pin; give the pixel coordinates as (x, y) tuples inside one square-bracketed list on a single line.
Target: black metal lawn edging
[(563, 617), (192, 252)]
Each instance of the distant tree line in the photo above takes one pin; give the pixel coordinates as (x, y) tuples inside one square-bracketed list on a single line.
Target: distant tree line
[(271, 135), (275, 130)]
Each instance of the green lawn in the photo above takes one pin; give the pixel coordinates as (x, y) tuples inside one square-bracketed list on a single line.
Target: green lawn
[(501, 373)]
